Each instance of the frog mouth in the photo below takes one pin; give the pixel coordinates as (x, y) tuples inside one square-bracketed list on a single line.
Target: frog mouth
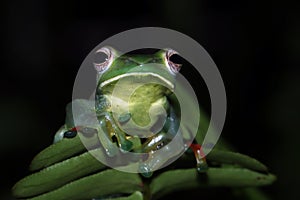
[(168, 83)]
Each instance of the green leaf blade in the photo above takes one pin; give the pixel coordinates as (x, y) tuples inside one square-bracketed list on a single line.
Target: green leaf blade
[(59, 151), (184, 179), (97, 185), (227, 157), (58, 174)]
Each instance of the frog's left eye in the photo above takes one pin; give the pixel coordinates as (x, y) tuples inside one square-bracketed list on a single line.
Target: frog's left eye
[(173, 61), (103, 59)]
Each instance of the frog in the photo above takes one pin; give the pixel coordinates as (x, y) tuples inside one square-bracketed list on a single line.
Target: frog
[(136, 111), (151, 80)]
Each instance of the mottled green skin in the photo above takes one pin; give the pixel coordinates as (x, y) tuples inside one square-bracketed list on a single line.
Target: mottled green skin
[(151, 82), (138, 63)]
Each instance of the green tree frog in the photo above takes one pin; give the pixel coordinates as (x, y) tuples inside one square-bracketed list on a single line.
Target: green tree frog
[(143, 103)]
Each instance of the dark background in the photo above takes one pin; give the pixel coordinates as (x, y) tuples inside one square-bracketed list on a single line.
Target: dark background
[(255, 45)]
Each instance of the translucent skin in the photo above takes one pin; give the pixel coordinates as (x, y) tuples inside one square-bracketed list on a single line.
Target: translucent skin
[(151, 82)]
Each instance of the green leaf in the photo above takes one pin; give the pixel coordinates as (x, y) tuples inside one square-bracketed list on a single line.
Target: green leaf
[(62, 150), (58, 175), (184, 179), (104, 183), (56, 152), (135, 196), (227, 157)]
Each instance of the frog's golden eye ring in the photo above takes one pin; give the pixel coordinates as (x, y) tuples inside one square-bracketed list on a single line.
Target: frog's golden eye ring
[(172, 61), (104, 58)]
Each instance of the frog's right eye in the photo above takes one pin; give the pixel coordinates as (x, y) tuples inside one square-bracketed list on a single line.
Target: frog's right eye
[(173, 61), (103, 59)]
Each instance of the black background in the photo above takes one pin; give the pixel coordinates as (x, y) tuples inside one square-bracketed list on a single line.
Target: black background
[(255, 45)]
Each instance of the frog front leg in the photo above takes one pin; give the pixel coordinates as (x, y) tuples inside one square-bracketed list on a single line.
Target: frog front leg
[(104, 135), (111, 137), (166, 134), (168, 141), (172, 127), (201, 163)]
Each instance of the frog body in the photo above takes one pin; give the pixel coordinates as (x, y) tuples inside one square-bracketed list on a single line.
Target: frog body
[(133, 100)]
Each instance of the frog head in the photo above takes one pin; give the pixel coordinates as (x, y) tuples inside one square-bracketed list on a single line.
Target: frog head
[(115, 67), (137, 81)]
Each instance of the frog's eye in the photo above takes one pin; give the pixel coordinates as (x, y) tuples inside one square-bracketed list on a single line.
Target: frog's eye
[(173, 61), (103, 59)]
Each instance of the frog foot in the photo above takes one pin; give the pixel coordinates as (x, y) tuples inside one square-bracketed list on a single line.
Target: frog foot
[(200, 158), (145, 171), (126, 145)]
